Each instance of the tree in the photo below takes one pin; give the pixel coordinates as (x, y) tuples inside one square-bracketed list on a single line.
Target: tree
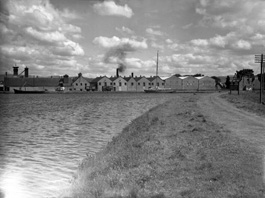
[(198, 75), (227, 82), (217, 80), (245, 73), (259, 78), (177, 75)]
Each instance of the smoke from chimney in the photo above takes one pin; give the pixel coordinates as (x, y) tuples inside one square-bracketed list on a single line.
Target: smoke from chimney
[(118, 55)]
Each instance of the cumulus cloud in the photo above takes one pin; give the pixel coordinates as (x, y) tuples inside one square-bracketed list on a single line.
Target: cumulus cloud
[(116, 41), (154, 32), (200, 42), (111, 8), (242, 44), (124, 30), (36, 32)]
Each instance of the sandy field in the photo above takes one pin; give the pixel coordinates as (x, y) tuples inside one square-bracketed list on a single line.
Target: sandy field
[(196, 146)]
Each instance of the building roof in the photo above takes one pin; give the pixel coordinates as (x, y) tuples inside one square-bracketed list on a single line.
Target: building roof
[(95, 80), (139, 78), (152, 78), (113, 78), (128, 78), (31, 82), (88, 79)]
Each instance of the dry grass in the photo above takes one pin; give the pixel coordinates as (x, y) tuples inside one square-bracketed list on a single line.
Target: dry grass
[(247, 100), (172, 151)]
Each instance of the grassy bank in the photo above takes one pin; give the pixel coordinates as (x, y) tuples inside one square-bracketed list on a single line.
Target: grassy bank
[(247, 100), (172, 151)]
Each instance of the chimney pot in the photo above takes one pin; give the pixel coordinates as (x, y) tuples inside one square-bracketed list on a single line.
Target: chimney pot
[(26, 72), (117, 72), (15, 71)]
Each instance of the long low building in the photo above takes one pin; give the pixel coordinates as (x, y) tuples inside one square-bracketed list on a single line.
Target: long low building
[(104, 83), (190, 83)]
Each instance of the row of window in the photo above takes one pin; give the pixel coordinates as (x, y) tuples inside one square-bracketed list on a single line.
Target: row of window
[(120, 84), (80, 84)]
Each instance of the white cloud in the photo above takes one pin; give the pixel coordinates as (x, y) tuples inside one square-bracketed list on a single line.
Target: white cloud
[(124, 30), (200, 42), (111, 8), (157, 46), (242, 44), (115, 42), (38, 35), (49, 37), (218, 41), (169, 41), (154, 32)]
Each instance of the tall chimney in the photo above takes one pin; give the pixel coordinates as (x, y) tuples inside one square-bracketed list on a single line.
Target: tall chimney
[(15, 71), (117, 72), (26, 72), (65, 78), (132, 75)]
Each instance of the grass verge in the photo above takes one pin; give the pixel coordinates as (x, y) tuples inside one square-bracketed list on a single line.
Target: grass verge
[(172, 151), (247, 100)]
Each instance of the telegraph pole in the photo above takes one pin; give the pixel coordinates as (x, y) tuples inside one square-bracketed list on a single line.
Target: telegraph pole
[(260, 59)]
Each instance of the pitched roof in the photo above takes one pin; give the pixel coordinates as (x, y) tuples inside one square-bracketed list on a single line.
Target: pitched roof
[(113, 78), (139, 78), (152, 78), (88, 79), (128, 78), (95, 80)]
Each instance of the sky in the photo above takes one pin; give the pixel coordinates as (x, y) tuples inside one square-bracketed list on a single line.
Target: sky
[(94, 37)]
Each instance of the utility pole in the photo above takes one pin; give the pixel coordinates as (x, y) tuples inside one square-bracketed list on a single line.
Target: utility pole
[(259, 59)]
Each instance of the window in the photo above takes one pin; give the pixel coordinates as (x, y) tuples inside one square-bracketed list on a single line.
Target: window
[(163, 84), (105, 83), (157, 84), (85, 84), (99, 83), (114, 83), (125, 83), (80, 89), (76, 84), (138, 83), (81, 84), (111, 83), (132, 83), (152, 83), (120, 84), (143, 83), (149, 83)]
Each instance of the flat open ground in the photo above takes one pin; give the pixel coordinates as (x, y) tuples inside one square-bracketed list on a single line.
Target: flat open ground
[(193, 146)]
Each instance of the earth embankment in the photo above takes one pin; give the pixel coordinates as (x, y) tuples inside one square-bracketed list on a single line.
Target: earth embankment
[(179, 149)]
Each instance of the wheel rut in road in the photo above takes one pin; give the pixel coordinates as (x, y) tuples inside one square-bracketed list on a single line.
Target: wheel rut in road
[(243, 124)]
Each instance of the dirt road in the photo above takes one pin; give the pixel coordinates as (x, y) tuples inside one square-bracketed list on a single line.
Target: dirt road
[(245, 125)]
